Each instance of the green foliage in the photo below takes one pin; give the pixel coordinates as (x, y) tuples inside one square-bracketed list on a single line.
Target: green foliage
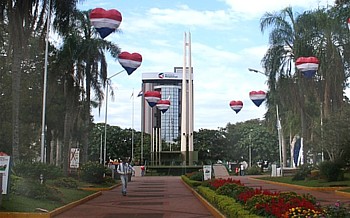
[(337, 210), (66, 182), (33, 189), (303, 172), (225, 204), (254, 170), (232, 190), (331, 171), (35, 169), (190, 182), (93, 172), (197, 176)]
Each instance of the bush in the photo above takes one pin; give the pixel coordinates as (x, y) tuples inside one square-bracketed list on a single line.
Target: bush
[(315, 174), (303, 172), (33, 189), (66, 182), (93, 172), (254, 170), (197, 176), (331, 171), (35, 169)]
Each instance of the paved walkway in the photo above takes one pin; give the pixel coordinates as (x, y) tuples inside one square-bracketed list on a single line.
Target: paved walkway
[(165, 197), (147, 197)]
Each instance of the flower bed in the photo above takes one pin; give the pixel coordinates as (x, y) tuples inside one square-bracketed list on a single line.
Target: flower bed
[(265, 203)]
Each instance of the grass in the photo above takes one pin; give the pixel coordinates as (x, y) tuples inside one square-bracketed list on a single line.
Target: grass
[(15, 203), (312, 183)]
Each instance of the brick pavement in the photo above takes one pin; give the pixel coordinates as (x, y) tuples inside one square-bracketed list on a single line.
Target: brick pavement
[(147, 197), (168, 197)]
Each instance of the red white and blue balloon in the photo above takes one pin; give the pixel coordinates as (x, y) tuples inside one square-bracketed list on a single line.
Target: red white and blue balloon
[(236, 106), (349, 23), (163, 105), (307, 65), (105, 21), (152, 97), (257, 97), (130, 62)]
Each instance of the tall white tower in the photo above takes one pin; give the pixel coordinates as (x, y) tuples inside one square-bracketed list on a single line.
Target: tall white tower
[(187, 104)]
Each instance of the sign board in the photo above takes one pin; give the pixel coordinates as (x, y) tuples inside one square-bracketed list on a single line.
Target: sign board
[(207, 172), (74, 158), (4, 170)]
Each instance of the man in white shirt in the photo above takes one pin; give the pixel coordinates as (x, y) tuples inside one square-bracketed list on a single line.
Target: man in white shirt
[(124, 169)]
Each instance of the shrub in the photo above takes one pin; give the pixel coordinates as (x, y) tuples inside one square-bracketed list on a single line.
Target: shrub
[(197, 176), (303, 172), (337, 210), (66, 182), (33, 189), (93, 172), (35, 169), (331, 171), (315, 174), (254, 170)]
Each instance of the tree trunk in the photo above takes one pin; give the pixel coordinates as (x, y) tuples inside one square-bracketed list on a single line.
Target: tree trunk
[(16, 84)]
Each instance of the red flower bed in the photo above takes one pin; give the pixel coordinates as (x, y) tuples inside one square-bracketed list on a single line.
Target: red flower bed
[(217, 183)]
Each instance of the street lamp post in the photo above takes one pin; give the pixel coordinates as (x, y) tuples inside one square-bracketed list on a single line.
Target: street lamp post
[(105, 140), (279, 127)]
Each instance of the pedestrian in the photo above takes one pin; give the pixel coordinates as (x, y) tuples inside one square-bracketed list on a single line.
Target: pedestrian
[(143, 169), (124, 169), (242, 170)]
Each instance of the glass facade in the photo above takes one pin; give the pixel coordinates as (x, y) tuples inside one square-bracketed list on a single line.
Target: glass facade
[(170, 119)]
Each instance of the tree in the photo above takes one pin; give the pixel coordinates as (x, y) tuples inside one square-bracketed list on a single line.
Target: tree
[(26, 19), (253, 135), (278, 65), (90, 57)]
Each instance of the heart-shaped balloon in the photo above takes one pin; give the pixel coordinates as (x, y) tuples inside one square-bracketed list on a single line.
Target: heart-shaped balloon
[(105, 21), (236, 105), (163, 105), (307, 65), (152, 97), (130, 62), (257, 97)]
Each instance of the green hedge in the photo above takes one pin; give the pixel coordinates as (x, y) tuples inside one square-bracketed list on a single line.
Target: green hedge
[(190, 182), (226, 205)]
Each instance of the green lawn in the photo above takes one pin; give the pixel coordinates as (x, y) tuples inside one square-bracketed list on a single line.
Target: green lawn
[(15, 203), (310, 182)]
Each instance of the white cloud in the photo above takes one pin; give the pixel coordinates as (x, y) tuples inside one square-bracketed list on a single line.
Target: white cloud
[(255, 9)]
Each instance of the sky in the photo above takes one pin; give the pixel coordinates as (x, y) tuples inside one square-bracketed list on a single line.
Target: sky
[(226, 41)]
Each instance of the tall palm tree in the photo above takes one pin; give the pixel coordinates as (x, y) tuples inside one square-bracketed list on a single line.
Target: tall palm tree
[(278, 65), (25, 19), (87, 55), (312, 33)]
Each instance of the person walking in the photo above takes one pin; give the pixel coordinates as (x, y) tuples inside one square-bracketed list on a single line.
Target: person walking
[(124, 169)]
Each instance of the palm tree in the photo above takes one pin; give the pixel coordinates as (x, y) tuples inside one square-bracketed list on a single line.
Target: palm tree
[(85, 53), (278, 65), (25, 19), (313, 33)]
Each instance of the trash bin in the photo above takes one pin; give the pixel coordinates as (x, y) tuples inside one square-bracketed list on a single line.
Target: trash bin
[(273, 170)]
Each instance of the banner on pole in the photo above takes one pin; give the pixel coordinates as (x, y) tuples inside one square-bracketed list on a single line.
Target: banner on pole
[(4, 171), (207, 172), (74, 158)]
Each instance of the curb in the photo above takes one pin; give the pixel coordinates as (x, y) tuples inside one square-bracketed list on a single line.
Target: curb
[(215, 212), (99, 189)]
